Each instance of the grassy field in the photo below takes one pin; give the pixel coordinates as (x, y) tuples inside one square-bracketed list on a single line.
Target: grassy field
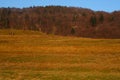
[(29, 55)]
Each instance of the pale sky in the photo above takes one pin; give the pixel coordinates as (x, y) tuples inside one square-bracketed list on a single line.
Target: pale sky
[(97, 5)]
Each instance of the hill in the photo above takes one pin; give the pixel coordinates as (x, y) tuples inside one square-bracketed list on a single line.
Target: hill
[(30, 55), (66, 21)]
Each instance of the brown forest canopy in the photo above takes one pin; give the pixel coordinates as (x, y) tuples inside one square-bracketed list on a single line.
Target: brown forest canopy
[(66, 21)]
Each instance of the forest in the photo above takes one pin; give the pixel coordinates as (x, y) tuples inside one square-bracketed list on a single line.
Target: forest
[(62, 20)]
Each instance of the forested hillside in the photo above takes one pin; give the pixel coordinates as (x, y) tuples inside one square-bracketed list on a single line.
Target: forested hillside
[(66, 21)]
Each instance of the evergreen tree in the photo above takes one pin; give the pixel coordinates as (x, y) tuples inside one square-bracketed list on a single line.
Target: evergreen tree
[(101, 18), (72, 31), (93, 20)]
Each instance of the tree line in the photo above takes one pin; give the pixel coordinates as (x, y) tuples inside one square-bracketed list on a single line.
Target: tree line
[(61, 20)]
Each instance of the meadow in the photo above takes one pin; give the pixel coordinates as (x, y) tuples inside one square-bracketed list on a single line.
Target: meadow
[(30, 55)]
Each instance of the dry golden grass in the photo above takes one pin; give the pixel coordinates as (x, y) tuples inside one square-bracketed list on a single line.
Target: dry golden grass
[(48, 57)]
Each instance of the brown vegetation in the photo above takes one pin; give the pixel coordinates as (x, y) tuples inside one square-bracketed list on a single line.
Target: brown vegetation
[(30, 55), (66, 21)]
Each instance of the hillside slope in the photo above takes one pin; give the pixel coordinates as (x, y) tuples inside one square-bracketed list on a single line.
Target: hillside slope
[(47, 57), (66, 21)]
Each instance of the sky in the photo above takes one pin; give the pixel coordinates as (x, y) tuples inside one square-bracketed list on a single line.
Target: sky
[(97, 5)]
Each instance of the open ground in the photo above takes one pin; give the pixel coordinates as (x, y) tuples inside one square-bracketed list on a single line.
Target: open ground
[(30, 55)]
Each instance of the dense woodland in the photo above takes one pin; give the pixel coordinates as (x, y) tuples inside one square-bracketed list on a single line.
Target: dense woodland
[(66, 21)]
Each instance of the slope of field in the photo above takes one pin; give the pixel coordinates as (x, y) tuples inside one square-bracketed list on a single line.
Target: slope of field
[(47, 57)]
